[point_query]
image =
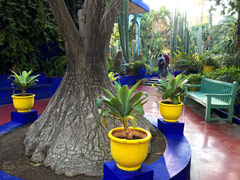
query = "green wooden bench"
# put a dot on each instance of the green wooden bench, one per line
(214, 94)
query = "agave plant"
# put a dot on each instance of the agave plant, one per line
(124, 106)
(23, 81)
(173, 89)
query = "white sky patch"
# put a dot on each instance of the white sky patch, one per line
(189, 6)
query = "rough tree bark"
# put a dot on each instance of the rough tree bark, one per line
(67, 137)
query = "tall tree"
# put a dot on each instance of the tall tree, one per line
(67, 136)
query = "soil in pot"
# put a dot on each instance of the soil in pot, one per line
(136, 134)
(168, 102)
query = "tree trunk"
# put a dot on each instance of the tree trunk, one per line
(67, 137)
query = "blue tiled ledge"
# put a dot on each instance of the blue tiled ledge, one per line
(8, 127)
(5, 176)
(175, 163)
(18, 120)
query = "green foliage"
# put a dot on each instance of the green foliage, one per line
(137, 65)
(172, 89)
(186, 62)
(229, 7)
(208, 59)
(155, 33)
(231, 60)
(23, 81)
(24, 26)
(230, 74)
(123, 106)
(224, 35)
(194, 78)
(134, 67)
(56, 66)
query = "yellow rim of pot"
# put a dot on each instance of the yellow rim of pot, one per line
(29, 95)
(162, 102)
(134, 141)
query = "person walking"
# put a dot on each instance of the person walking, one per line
(161, 64)
(165, 55)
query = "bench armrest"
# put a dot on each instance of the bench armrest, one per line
(217, 95)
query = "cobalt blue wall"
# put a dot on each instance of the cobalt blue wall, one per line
(45, 88)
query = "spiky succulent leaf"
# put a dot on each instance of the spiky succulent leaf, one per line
(23, 80)
(173, 89)
(139, 109)
(109, 93)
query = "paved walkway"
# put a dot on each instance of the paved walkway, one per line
(215, 147)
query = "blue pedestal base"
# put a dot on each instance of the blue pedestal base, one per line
(24, 118)
(112, 172)
(170, 127)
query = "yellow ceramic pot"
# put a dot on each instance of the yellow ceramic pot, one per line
(170, 112)
(23, 103)
(207, 68)
(129, 154)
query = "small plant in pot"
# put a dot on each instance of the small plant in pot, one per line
(194, 79)
(23, 101)
(209, 63)
(172, 94)
(129, 145)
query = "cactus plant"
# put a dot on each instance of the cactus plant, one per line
(124, 29)
(179, 33)
(199, 40)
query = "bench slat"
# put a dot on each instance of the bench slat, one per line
(199, 96)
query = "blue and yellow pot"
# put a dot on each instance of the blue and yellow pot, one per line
(23, 102)
(129, 154)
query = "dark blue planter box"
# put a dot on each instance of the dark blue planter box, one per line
(24, 118)
(128, 80)
(155, 74)
(148, 76)
(237, 108)
(175, 73)
(141, 73)
(55, 82)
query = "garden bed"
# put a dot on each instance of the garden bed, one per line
(14, 162)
